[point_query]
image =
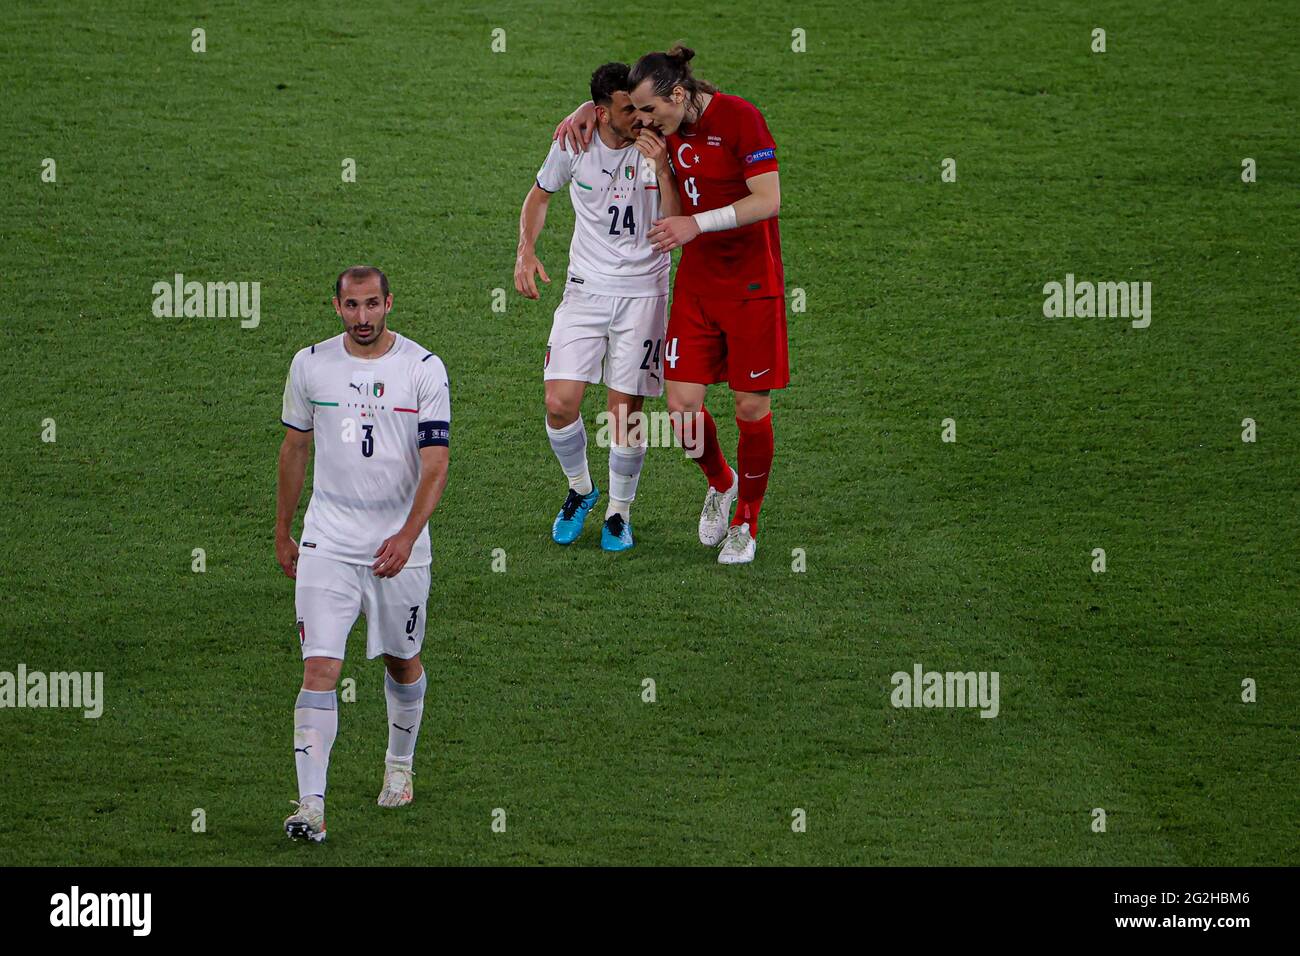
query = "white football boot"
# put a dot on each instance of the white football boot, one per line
(308, 823)
(397, 790)
(717, 512)
(739, 546)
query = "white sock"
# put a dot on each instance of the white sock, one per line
(315, 724)
(405, 708)
(570, 446)
(625, 463)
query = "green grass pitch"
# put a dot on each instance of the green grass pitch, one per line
(924, 301)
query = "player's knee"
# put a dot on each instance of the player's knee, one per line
(404, 671)
(320, 673)
(560, 410)
(682, 404)
(751, 406)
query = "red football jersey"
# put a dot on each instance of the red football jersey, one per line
(712, 159)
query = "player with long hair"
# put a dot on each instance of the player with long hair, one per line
(727, 319)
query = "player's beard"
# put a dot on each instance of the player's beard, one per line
(628, 135)
(376, 331)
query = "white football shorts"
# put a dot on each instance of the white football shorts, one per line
(619, 340)
(329, 595)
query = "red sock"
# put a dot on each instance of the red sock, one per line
(754, 459)
(711, 462)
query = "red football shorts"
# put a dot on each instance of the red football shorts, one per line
(738, 341)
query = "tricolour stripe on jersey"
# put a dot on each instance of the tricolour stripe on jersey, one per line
(582, 184)
(330, 404)
(413, 411)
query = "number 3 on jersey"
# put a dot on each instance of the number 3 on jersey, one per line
(349, 435)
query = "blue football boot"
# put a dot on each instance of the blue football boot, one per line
(568, 523)
(617, 533)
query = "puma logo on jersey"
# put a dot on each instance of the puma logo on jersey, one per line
(356, 386)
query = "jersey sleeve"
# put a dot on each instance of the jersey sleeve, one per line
(296, 410)
(434, 391)
(557, 170)
(754, 146)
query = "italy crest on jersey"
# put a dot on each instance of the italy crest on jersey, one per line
(379, 389)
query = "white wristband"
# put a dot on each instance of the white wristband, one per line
(716, 220)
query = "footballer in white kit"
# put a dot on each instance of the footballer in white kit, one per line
(378, 408)
(610, 323)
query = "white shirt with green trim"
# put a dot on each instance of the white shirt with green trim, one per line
(615, 197)
(370, 417)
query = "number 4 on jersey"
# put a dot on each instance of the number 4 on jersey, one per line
(670, 353)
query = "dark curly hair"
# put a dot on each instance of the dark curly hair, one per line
(608, 80)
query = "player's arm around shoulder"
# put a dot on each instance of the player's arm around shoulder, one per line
(576, 129)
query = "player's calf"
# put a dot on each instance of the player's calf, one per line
(405, 700)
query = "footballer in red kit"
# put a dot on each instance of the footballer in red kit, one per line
(727, 320)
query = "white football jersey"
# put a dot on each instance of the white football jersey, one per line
(615, 197)
(371, 417)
